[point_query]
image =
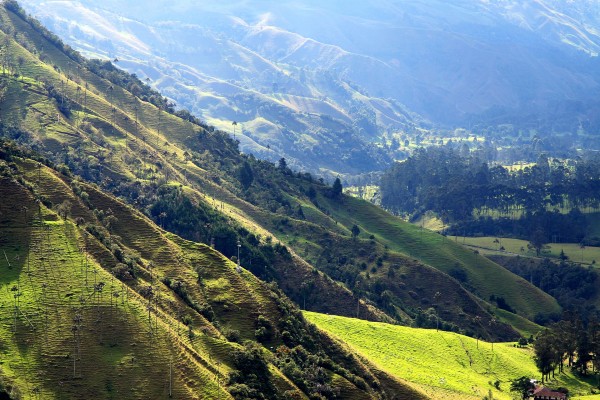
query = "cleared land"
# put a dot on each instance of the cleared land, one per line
(490, 245)
(444, 365)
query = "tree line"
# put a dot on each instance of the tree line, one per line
(473, 194)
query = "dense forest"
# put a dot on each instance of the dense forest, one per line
(575, 287)
(480, 198)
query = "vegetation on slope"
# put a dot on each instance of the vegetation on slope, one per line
(478, 198)
(92, 285)
(192, 180)
(444, 365)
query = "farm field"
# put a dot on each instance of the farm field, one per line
(444, 365)
(487, 244)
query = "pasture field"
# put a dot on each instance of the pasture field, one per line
(444, 365)
(587, 255)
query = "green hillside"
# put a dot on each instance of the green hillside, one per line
(589, 255)
(93, 292)
(66, 319)
(486, 277)
(110, 134)
(444, 365)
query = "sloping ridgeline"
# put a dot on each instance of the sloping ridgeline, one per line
(98, 301)
(192, 180)
(142, 152)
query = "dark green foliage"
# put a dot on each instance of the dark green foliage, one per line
(501, 303)
(459, 274)
(246, 176)
(307, 370)
(522, 386)
(63, 102)
(179, 288)
(174, 211)
(570, 340)
(264, 329)
(455, 185)
(251, 378)
(554, 225)
(282, 164)
(355, 231)
(537, 241)
(336, 189)
(571, 285)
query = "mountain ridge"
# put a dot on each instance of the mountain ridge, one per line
(104, 134)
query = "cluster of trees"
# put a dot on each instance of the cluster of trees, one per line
(571, 285)
(570, 340)
(539, 227)
(462, 188)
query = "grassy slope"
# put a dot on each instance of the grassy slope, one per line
(118, 330)
(120, 353)
(431, 248)
(115, 140)
(116, 152)
(444, 365)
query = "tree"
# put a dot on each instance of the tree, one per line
(282, 164)
(336, 189)
(545, 354)
(234, 123)
(563, 256)
(246, 175)
(64, 209)
(522, 386)
(537, 241)
(355, 231)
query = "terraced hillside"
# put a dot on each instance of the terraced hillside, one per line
(109, 128)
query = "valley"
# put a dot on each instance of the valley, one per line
(374, 85)
(146, 252)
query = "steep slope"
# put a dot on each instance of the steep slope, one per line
(66, 320)
(532, 64)
(111, 138)
(105, 126)
(102, 303)
(279, 114)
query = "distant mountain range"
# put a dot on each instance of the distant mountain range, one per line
(328, 85)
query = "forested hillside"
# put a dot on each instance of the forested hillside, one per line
(99, 167)
(97, 293)
(192, 180)
(548, 199)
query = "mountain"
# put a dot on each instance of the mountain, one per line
(193, 181)
(329, 86)
(102, 302)
(117, 207)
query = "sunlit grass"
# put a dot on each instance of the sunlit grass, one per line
(440, 363)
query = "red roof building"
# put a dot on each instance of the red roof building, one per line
(543, 393)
